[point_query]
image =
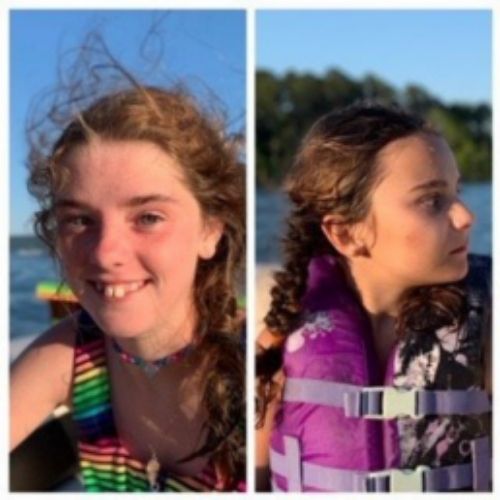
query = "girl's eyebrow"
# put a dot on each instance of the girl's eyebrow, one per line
(433, 184)
(131, 202)
(149, 198)
(436, 183)
(69, 203)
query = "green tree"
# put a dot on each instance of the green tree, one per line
(288, 105)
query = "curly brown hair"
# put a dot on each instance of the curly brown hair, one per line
(173, 120)
(334, 173)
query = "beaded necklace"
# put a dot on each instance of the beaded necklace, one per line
(151, 368)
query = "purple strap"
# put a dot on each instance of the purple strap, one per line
(314, 475)
(453, 402)
(481, 464)
(452, 477)
(293, 463)
(321, 392)
(299, 474)
(370, 402)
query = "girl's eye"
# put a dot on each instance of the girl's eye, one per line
(434, 203)
(149, 219)
(75, 223)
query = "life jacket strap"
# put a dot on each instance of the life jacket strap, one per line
(293, 463)
(386, 402)
(302, 474)
(481, 464)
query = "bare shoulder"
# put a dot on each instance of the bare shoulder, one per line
(55, 343)
(267, 339)
(41, 378)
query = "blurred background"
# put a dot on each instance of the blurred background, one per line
(437, 63)
(205, 50)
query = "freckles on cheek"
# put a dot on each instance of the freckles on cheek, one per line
(73, 248)
(74, 253)
(178, 246)
(64, 249)
(413, 239)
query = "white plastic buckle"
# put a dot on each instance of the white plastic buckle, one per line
(395, 402)
(403, 479)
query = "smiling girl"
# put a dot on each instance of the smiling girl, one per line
(142, 203)
(373, 368)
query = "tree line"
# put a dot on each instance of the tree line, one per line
(288, 105)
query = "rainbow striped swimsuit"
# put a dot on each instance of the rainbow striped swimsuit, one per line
(105, 464)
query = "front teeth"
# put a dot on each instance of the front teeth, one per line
(111, 291)
(117, 291)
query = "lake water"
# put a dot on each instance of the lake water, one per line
(29, 264)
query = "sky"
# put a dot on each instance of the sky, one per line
(205, 49)
(446, 51)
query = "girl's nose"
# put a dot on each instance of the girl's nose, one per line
(462, 217)
(109, 247)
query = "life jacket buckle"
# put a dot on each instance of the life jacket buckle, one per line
(408, 479)
(399, 480)
(395, 402)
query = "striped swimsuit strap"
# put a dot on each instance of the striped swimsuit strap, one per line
(105, 464)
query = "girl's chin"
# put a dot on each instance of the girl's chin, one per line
(441, 275)
(119, 327)
(453, 273)
(460, 267)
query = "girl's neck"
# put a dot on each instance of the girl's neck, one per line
(379, 297)
(381, 300)
(154, 345)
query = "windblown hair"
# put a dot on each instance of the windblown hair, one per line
(172, 120)
(334, 173)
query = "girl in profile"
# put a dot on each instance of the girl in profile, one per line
(142, 203)
(373, 372)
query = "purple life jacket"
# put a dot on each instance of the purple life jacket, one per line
(345, 424)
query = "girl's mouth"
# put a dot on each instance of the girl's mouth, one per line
(459, 250)
(117, 290)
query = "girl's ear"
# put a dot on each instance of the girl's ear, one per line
(212, 233)
(344, 237)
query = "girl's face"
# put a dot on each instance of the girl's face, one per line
(418, 227)
(129, 236)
